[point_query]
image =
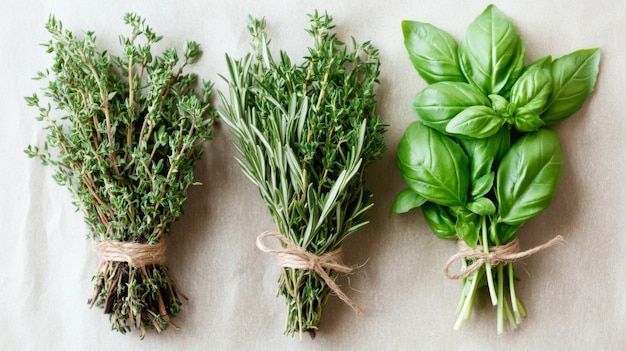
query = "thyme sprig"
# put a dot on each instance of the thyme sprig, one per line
(306, 132)
(126, 132)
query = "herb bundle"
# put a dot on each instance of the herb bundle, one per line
(307, 132)
(127, 132)
(481, 160)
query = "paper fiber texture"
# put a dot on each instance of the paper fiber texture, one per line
(573, 292)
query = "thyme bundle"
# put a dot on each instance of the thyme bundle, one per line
(126, 132)
(306, 132)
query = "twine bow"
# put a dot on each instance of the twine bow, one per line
(496, 255)
(292, 256)
(136, 254)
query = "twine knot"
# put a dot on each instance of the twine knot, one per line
(496, 255)
(292, 256)
(136, 254)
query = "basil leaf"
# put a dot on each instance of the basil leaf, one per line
(406, 201)
(498, 103)
(482, 207)
(527, 121)
(482, 185)
(440, 220)
(483, 153)
(433, 165)
(542, 62)
(475, 122)
(491, 54)
(573, 79)
(467, 228)
(438, 103)
(432, 51)
(532, 90)
(528, 176)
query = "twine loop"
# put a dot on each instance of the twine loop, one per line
(292, 256)
(501, 254)
(136, 254)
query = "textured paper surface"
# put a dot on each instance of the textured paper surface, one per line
(573, 293)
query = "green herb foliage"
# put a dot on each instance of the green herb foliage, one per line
(481, 162)
(306, 132)
(125, 131)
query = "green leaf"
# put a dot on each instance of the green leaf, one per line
(498, 103)
(440, 220)
(467, 228)
(484, 153)
(482, 207)
(573, 79)
(475, 122)
(483, 185)
(532, 90)
(433, 165)
(528, 176)
(492, 53)
(527, 121)
(437, 104)
(406, 201)
(432, 51)
(32, 100)
(542, 62)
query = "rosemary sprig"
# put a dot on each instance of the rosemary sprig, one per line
(306, 132)
(126, 130)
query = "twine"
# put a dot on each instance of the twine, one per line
(292, 256)
(136, 254)
(496, 255)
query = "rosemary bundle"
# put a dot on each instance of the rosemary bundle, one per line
(126, 132)
(306, 132)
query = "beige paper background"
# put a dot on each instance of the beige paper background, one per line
(573, 293)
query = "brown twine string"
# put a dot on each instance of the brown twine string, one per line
(292, 256)
(136, 254)
(496, 255)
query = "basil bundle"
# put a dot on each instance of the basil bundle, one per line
(306, 132)
(126, 133)
(481, 161)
